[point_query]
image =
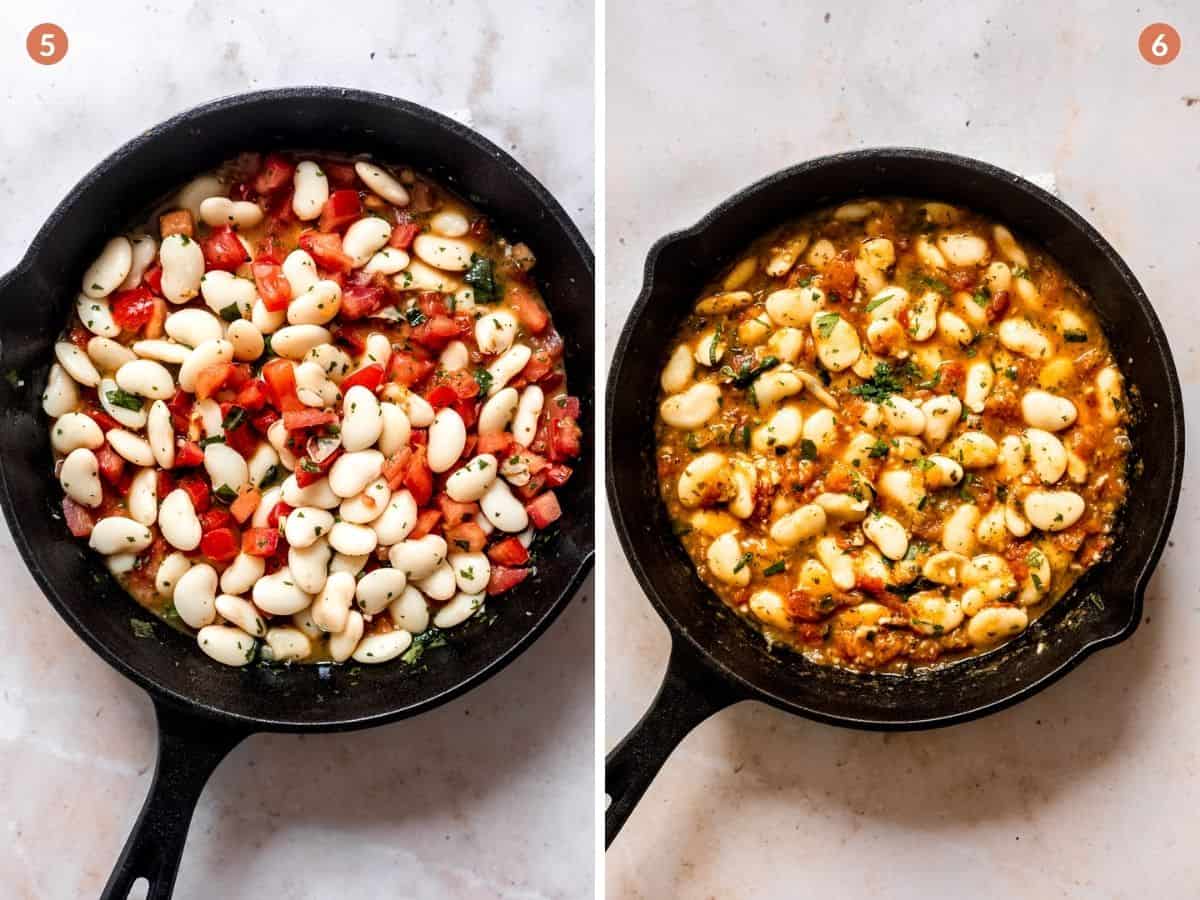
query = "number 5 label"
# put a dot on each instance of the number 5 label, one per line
(1159, 44)
(46, 44)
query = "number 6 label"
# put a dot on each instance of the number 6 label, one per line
(46, 44)
(1159, 44)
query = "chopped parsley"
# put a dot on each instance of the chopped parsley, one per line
(426, 640)
(879, 301)
(743, 562)
(808, 450)
(826, 322)
(749, 373)
(879, 386)
(775, 568)
(225, 494)
(414, 316)
(142, 628)
(484, 379)
(118, 397)
(481, 276)
(231, 313)
(879, 449)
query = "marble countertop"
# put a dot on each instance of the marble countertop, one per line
(489, 796)
(1089, 789)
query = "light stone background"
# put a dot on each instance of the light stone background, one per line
(489, 796)
(1091, 788)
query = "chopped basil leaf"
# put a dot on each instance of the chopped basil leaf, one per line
(118, 397)
(775, 568)
(481, 276)
(215, 439)
(231, 313)
(826, 322)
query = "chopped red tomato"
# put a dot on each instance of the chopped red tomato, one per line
(427, 520)
(403, 235)
(152, 278)
(276, 173)
(280, 376)
(252, 396)
(342, 208)
(242, 439)
(79, 518)
(509, 552)
(260, 541)
(222, 250)
(214, 518)
(564, 406)
(496, 444)
(211, 379)
(525, 306)
(556, 476)
(395, 467)
(306, 417)
(418, 478)
(504, 578)
(436, 332)
(273, 288)
(326, 249)
(467, 537)
(408, 369)
(309, 471)
(431, 304)
(361, 300)
(197, 490)
(462, 382)
(133, 308)
(565, 439)
(278, 511)
(112, 464)
(106, 422)
(180, 406)
(456, 513)
(188, 454)
(544, 509)
(441, 395)
(370, 377)
(165, 485)
(221, 545)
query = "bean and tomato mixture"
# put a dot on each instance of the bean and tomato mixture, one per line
(313, 409)
(890, 435)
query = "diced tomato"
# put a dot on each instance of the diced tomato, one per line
(340, 174)
(166, 483)
(79, 518)
(270, 250)
(496, 444)
(221, 545)
(253, 396)
(456, 513)
(80, 337)
(544, 509)
(418, 478)
(106, 422)
(436, 332)
(276, 174)
(214, 518)
(197, 489)
(278, 511)
(562, 406)
(467, 537)
(509, 552)
(442, 395)
(188, 454)
(112, 464)
(342, 208)
(280, 376)
(180, 406)
(407, 369)
(540, 367)
(395, 467)
(242, 439)
(565, 439)
(427, 520)
(310, 472)
(361, 300)
(419, 437)
(556, 476)
(262, 421)
(468, 411)
(133, 308)
(211, 379)
(178, 221)
(273, 288)
(403, 235)
(294, 420)
(152, 278)
(462, 382)
(370, 377)
(326, 249)
(504, 578)
(526, 307)
(260, 541)
(431, 304)
(222, 250)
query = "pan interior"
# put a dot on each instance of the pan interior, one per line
(1104, 605)
(35, 301)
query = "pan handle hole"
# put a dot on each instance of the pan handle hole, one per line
(140, 890)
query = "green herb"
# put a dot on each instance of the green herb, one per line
(826, 322)
(1011, 373)
(414, 316)
(484, 379)
(215, 439)
(775, 568)
(1075, 336)
(879, 301)
(118, 397)
(982, 297)
(743, 562)
(235, 418)
(933, 284)
(14, 378)
(231, 313)
(225, 494)
(748, 374)
(1096, 600)
(879, 386)
(1020, 272)
(269, 477)
(933, 382)
(714, 346)
(142, 628)
(693, 443)
(481, 276)
(879, 449)
(426, 640)
(808, 450)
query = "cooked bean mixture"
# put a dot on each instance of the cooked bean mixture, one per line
(890, 435)
(312, 409)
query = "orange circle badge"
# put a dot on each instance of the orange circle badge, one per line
(46, 44)
(1159, 44)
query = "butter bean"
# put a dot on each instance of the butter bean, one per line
(447, 438)
(418, 558)
(1046, 411)
(109, 269)
(499, 410)
(182, 267)
(227, 645)
(80, 477)
(76, 364)
(178, 522)
(377, 589)
(1053, 510)
(310, 191)
(382, 183)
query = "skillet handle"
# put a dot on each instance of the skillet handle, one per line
(189, 749)
(689, 694)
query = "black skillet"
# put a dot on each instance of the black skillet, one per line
(205, 709)
(715, 658)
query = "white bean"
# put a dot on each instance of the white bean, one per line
(963, 249)
(472, 571)
(417, 408)
(182, 267)
(318, 494)
(1047, 455)
(73, 430)
(502, 509)
(447, 438)
(1110, 394)
(460, 608)
(352, 472)
(144, 252)
(973, 450)
(96, 316)
(798, 525)
(888, 535)
(440, 584)
(903, 416)
(691, 408)
(279, 594)
(499, 410)
(795, 307)
(143, 497)
(107, 354)
(351, 539)
(76, 364)
(725, 562)
(381, 183)
(247, 341)
(130, 447)
(80, 477)
(310, 191)
(343, 643)
(468, 483)
(395, 430)
(837, 561)
(996, 623)
(418, 558)
(455, 357)
(240, 612)
(398, 519)
(1047, 411)
(382, 647)
(130, 418)
(161, 351)
(1053, 510)
(208, 353)
(316, 306)
(331, 609)
(146, 378)
(447, 254)
(286, 644)
(362, 419)
(265, 320)
(410, 611)
(241, 575)
(377, 589)
(838, 345)
(958, 532)
(507, 366)
(495, 332)
(294, 341)
(178, 522)
(981, 377)
(1023, 337)
(196, 594)
(449, 223)
(119, 534)
(215, 211)
(387, 261)
(368, 505)
(942, 472)
(678, 371)
(364, 238)
(230, 646)
(170, 570)
(109, 269)
(306, 525)
(300, 270)
(61, 394)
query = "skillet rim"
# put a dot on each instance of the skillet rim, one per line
(192, 706)
(680, 631)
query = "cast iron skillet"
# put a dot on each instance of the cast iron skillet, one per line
(205, 709)
(716, 659)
